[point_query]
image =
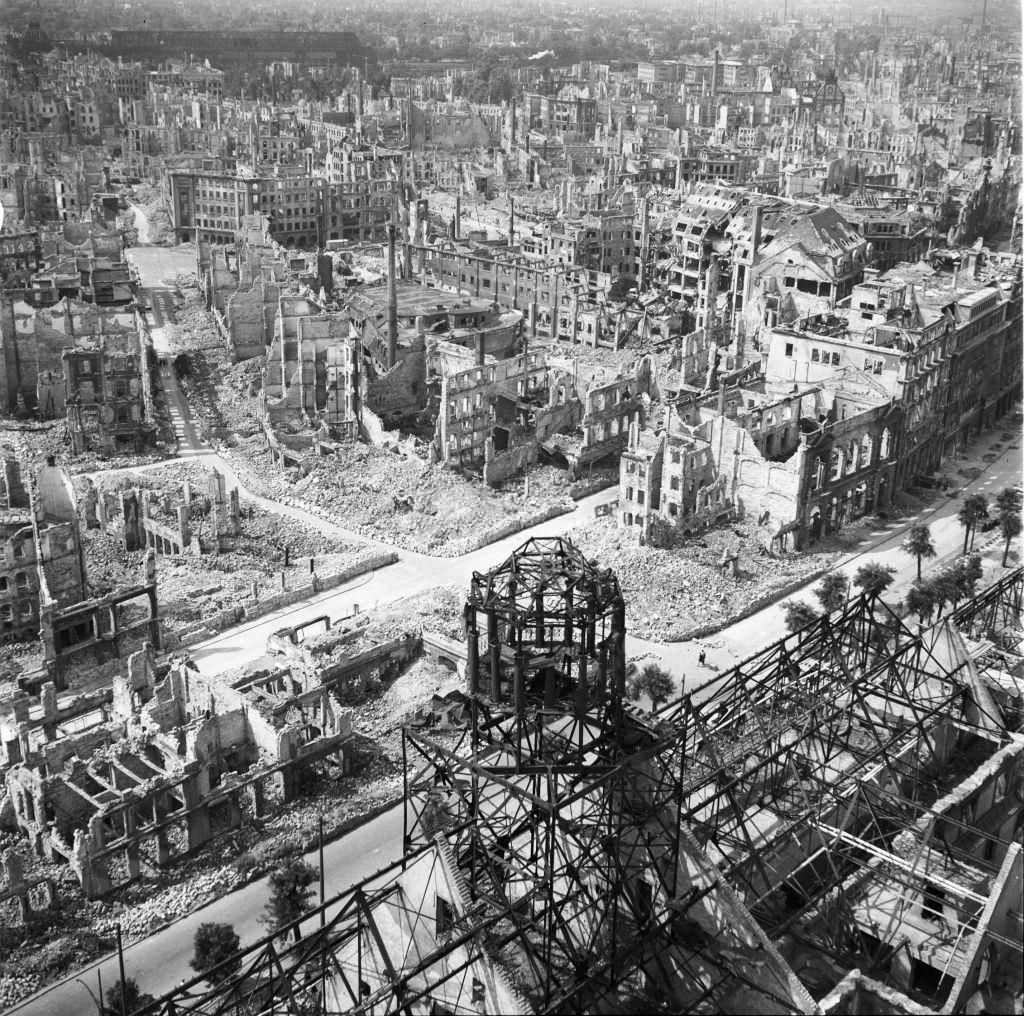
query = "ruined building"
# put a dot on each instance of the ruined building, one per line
(44, 590)
(504, 416)
(801, 460)
(82, 261)
(181, 521)
(89, 364)
(109, 393)
(43, 562)
(156, 769)
(830, 827)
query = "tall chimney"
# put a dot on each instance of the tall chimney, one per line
(512, 131)
(458, 216)
(755, 243)
(721, 398)
(644, 241)
(714, 77)
(755, 231)
(392, 300)
(511, 222)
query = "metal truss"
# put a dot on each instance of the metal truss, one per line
(595, 840)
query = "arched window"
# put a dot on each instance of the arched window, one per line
(836, 463)
(819, 473)
(883, 449)
(851, 457)
(865, 450)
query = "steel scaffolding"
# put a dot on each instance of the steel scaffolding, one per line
(785, 816)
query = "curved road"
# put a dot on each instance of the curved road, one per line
(161, 961)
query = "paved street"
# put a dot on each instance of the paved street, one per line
(160, 962)
(164, 956)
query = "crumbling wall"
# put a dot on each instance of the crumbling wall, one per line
(610, 407)
(249, 315)
(402, 391)
(755, 484)
(485, 401)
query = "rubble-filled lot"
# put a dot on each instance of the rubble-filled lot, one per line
(37, 439)
(158, 227)
(192, 328)
(191, 588)
(399, 499)
(385, 494)
(674, 594)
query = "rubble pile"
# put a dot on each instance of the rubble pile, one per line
(673, 594)
(193, 327)
(84, 929)
(41, 439)
(388, 496)
(193, 587)
(150, 200)
(439, 610)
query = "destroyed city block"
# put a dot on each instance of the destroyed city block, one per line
(511, 509)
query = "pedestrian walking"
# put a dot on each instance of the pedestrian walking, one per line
(702, 657)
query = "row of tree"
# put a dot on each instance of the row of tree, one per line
(927, 596)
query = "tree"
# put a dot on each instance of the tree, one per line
(874, 579)
(653, 681)
(966, 573)
(1010, 525)
(944, 588)
(920, 600)
(832, 591)
(289, 893)
(972, 511)
(919, 544)
(216, 946)
(799, 615)
(125, 997)
(1008, 500)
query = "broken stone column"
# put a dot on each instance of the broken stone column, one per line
(48, 700)
(132, 513)
(234, 513)
(15, 882)
(131, 850)
(184, 529)
(218, 504)
(20, 705)
(92, 875)
(90, 503)
(196, 809)
(234, 811)
(257, 799)
(24, 743)
(102, 513)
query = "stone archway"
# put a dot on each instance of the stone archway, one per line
(815, 526)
